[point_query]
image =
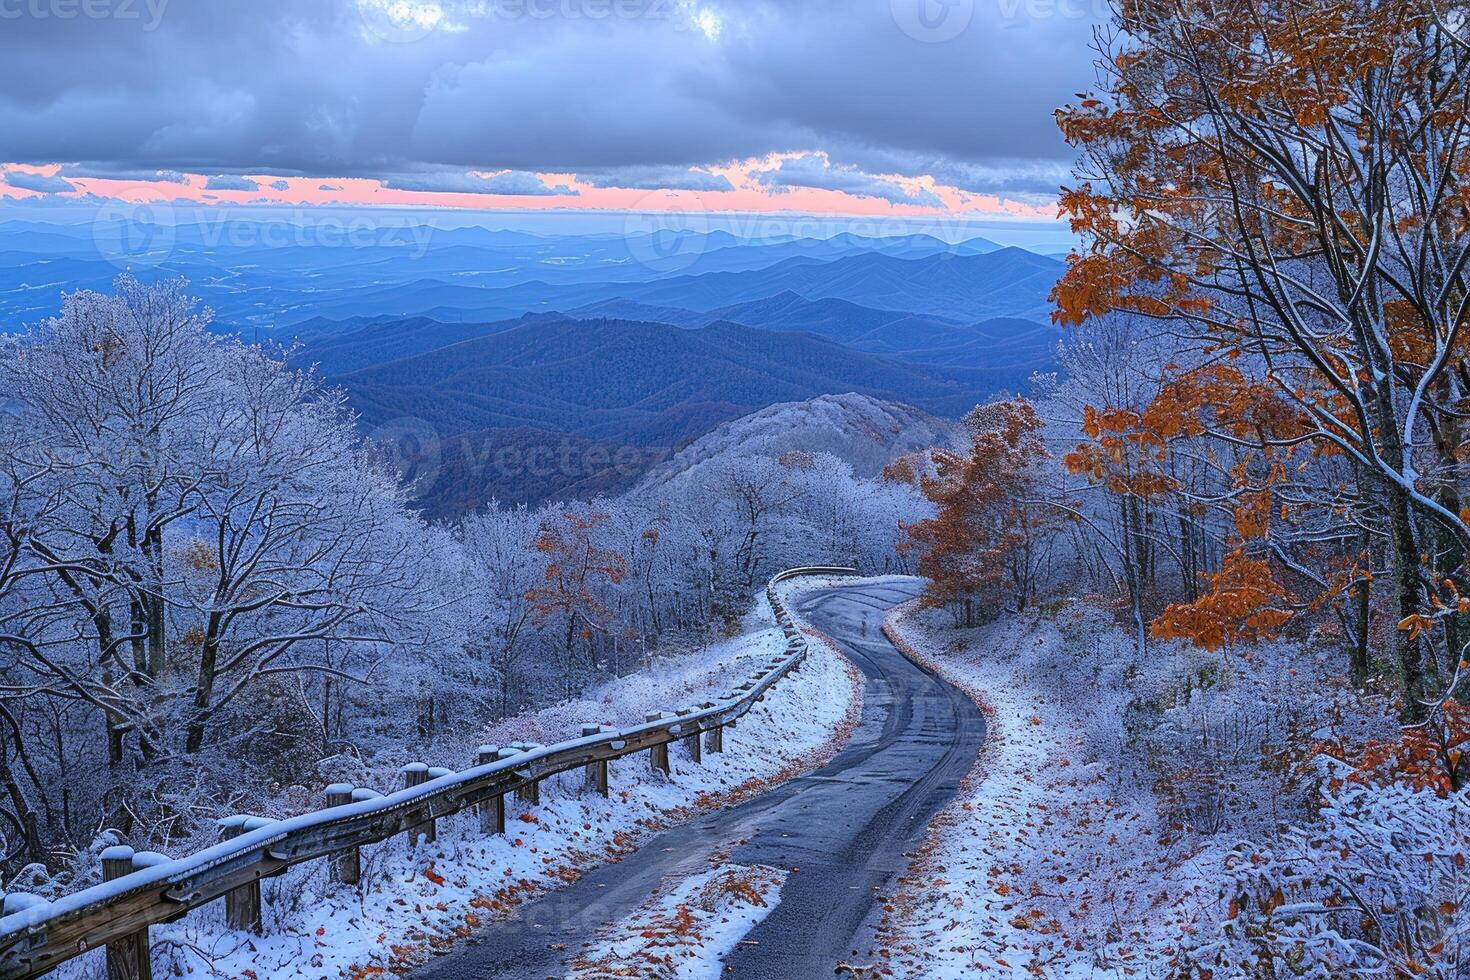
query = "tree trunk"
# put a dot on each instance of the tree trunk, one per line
(1413, 672)
(204, 685)
(1363, 597)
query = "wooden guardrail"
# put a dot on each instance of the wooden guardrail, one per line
(143, 889)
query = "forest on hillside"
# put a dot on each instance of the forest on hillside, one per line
(211, 586)
(1256, 450)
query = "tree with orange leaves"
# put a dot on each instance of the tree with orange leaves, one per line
(986, 545)
(575, 567)
(1433, 756)
(1288, 183)
(1243, 603)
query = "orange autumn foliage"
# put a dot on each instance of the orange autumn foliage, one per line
(1243, 604)
(1126, 449)
(1311, 329)
(1263, 63)
(1433, 756)
(979, 546)
(575, 565)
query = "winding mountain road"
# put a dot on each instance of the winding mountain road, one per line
(848, 826)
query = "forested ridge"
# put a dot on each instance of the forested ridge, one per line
(212, 587)
(1254, 456)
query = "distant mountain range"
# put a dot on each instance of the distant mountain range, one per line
(1001, 346)
(263, 271)
(556, 408)
(639, 371)
(647, 384)
(343, 347)
(497, 364)
(998, 344)
(1007, 282)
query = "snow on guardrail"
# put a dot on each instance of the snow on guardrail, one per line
(142, 889)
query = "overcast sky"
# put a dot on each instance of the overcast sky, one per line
(862, 106)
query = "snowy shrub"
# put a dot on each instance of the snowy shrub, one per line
(1223, 734)
(1372, 888)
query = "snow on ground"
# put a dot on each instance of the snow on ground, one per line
(793, 589)
(1050, 862)
(667, 683)
(419, 900)
(684, 932)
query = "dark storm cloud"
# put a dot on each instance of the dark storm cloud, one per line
(110, 172)
(282, 87)
(814, 171)
(230, 182)
(656, 178)
(1005, 176)
(510, 182)
(38, 182)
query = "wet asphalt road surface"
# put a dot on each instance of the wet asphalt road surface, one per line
(848, 826)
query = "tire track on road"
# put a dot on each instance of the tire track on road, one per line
(848, 826)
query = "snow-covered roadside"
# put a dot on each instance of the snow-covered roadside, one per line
(417, 901)
(793, 589)
(1049, 863)
(683, 933)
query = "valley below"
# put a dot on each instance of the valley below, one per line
(519, 368)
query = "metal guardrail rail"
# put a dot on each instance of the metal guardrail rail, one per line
(144, 889)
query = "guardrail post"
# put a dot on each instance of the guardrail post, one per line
(127, 958)
(242, 904)
(714, 739)
(132, 913)
(597, 769)
(530, 794)
(509, 752)
(345, 867)
(692, 742)
(658, 755)
(416, 774)
(492, 811)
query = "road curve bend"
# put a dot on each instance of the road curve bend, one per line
(848, 826)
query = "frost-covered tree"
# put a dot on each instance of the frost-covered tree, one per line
(501, 561)
(192, 531)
